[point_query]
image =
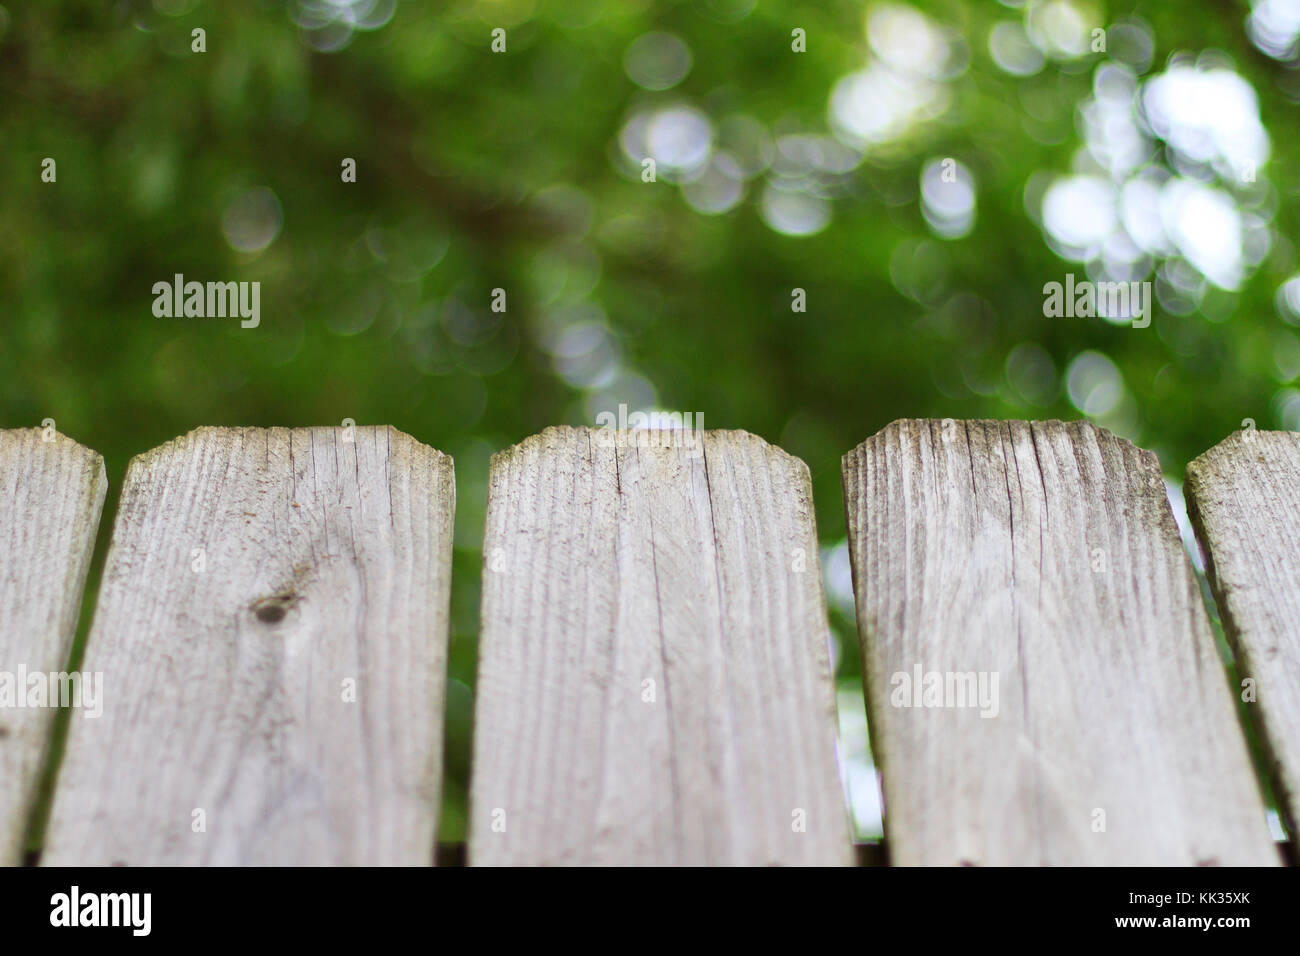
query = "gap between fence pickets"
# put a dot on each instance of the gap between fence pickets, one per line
(1243, 498)
(654, 682)
(1040, 562)
(51, 497)
(272, 624)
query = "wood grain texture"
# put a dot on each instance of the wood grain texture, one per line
(618, 565)
(1045, 554)
(1243, 497)
(252, 574)
(51, 497)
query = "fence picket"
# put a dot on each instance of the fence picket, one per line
(272, 630)
(654, 684)
(51, 497)
(1243, 497)
(1043, 555)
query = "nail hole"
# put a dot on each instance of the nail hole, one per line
(4, 732)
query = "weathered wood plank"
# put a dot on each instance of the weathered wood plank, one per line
(51, 497)
(654, 684)
(1243, 497)
(272, 629)
(1044, 556)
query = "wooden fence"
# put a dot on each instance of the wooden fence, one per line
(654, 684)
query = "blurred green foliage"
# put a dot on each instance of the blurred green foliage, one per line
(479, 170)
